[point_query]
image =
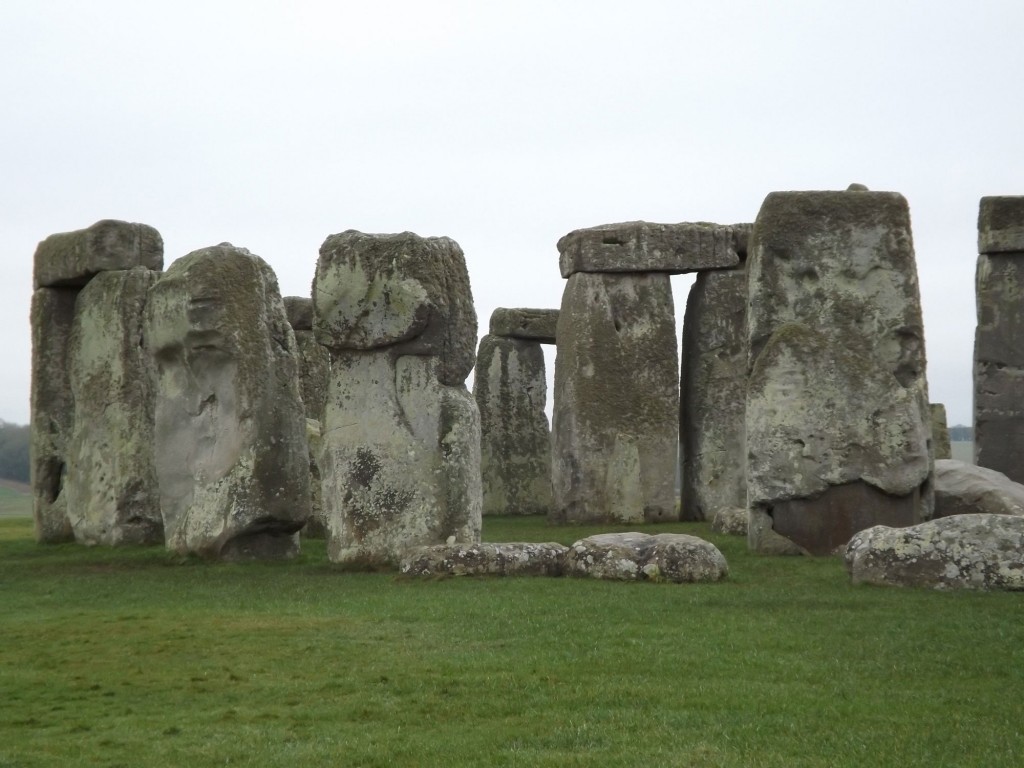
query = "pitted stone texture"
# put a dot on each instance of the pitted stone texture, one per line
(711, 393)
(819, 418)
(730, 520)
(533, 324)
(72, 258)
(941, 448)
(111, 483)
(1001, 225)
(833, 288)
(405, 292)
(485, 559)
(615, 428)
(231, 452)
(672, 557)
(399, 458)
(53, 411)
(980, 552)
(999, 365)
(300, 312)
(316, 524)
(965, 489)
(510, 388)
(640, 246)
(314, 373)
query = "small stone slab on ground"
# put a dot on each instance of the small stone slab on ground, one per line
(485, 559)
(673, 557)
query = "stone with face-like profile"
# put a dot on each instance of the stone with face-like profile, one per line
(230, 432)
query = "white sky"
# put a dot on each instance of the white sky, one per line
(503, 125)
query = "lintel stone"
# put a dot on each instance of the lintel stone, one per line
(1001, 225)
(641, 246)
(73, 258)
(530, 324)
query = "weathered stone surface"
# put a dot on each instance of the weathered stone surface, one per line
(712, 391)
(534, 324)
(999, 364)
(316, 524)
(966, 489)
(982, 552)
(402, 291)
(300, 312)
(400, 452)
(837, 391)
(730, 520)
(941, 448)
(230, 435)
(818, 418)
(485, 559)
(672, 557)
(53, 410)
(616, 401)
(510, 388)
(111, 483)
(314, 373)
(640, 246)
(1001, 225)
(72, 258)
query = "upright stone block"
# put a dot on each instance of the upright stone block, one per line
(53, 411)
(510, 387)
(73, 258)
(230, 431)
(640, 246)
(837, 417)
(111, 482)
(712, 393)
(941, 447)
(999, 338)
(400, 449)
(616, 404)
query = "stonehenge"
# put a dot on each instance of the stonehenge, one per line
(197, 408)
(999, 337)
(510, 388)
(400, 445)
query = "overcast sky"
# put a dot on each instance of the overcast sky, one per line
(503, 125)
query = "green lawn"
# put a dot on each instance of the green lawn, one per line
(131, 657)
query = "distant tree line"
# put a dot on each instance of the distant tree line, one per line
(14, 452)
(960, 433)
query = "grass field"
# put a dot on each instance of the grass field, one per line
(131, 657)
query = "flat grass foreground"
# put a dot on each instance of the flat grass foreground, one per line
(131, 657)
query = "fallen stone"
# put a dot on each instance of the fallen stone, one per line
(485, 559)
(1001, 225)
(941, 448)
(615, 426)
(510, 388)
(230, 432)
(672, 557)
(531, 324)
(980, 552)
(640, 246)
(72, 258)
(111, 482)
(730, 520)
(966, 489)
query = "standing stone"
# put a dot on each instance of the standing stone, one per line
(616, 410)
(400, 449)
(712, 391)
(941, 447)
(999, 338)
(510, 388)
(230, 436)
(314, 373)
(53, 411)
(63, 263)
(837, 417)
(111, 482)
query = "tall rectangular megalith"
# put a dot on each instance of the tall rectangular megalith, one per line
(999, 337)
